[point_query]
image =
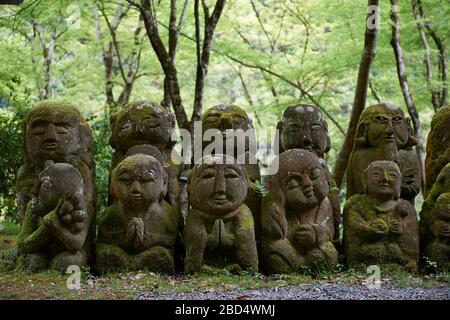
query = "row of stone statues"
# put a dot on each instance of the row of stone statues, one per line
(229, 222)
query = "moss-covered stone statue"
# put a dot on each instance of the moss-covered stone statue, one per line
(303, 127)
(145, 122)
(55, 231)
(55, 131)
(379, 227)
(297, 217)
(219, 229)
(384, 133)
(438, 248)
(138, 231)
(438, 147)
(224, 118)
(434, 242)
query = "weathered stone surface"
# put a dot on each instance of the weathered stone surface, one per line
(138, 231)
(433, 221)
(384, 133)
(225, 117)
(55, 231)
(55, 131)
(379, 227)
(304, 127)
(297, 217)
(147, 123)
(438, 147)
(219, 229)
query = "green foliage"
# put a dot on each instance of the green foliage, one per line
(102, 157)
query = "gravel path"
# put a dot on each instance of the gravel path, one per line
(310, 292)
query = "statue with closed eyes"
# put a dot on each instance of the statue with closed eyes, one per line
(219, 229)
(138, 231)
(297, 217)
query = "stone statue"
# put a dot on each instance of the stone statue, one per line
(55, 230)
(433, 221)
(55, 131)
(379, 227)
(138, 231)
(438, 147)
(225, 117)
(383, 133)
(297, 217)
(219, 229)
(145, 122)
(303, 127)
(438, 249)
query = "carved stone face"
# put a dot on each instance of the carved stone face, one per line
(442, 207)
(141, 123)
(52, 133)
(302, 179)
(383, 123)
(217, 188)
(139, 181)
(383, 180)
(225, 117)
(52, 186)
(303, 127)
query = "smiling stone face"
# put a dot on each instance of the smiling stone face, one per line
(303, 127)
(141, 123)
(138, 181)
(302, 178)
(217, 188)
(383, 180)
(52, 133)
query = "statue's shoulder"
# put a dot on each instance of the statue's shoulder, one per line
(357, 202)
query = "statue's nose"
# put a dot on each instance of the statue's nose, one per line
(219, 186)
(50, 133)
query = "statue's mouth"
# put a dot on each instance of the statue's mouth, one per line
(389, 138)
(308, 192)
(136, 196)
(220, 199)
(50, 145)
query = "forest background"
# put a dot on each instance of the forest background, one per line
(261, 55)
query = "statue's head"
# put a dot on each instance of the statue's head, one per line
(139, 181)
(224, 118)
(57, 182)
(217, 185)
(303, 127)
(440, 132)
(383, 180)
(148, 150)
(300, 182)
(383, 123)
(442, 207)
(57, 132)
(141, 122)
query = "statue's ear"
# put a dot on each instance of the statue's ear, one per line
(327, 137)
(48, 163)
(277, 140)
(165, 183)
(361, 137)
(412, 139)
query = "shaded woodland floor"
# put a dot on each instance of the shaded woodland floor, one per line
(220, 284)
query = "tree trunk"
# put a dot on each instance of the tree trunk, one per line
(401, 71)
(427, 58)
(360, 91)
